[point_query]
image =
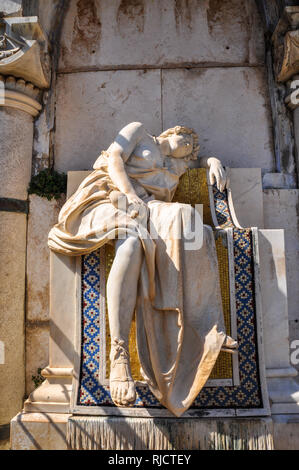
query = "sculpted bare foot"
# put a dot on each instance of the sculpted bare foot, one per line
(230, 345)
(122, 387)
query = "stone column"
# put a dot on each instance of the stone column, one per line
(18, 107)
(20, 54)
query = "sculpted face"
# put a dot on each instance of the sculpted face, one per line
(180, 145)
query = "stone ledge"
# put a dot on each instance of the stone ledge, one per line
(39, 431)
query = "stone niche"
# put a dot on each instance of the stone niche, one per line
(203, 66)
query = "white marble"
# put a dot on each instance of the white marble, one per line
(246, 192)
(281, 211)
(283, 389)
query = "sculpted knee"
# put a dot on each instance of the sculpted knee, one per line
(131, 247)
(134, 245)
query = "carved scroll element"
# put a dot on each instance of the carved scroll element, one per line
(9, 46)
(23, 48)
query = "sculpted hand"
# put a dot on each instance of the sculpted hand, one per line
(139, 206)
(217, 173)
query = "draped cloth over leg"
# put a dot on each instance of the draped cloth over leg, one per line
(180, 327)
(180, 334)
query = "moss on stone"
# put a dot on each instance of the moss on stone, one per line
(49, 184)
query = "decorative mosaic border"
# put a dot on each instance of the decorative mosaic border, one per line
(247, 395)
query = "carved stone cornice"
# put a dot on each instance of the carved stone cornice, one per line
(19, 94)
(285, 41)
(23, 50)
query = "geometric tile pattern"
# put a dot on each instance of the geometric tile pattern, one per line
(246, 395)
(221, 208)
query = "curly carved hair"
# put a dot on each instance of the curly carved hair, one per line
(184, 131)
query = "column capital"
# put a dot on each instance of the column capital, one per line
(23, 50)
(19, 94)
(285, 42)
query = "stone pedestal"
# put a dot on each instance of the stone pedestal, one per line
(39, 431)
(36, 431)
(48, 431)
(53, 396)
(283, 390)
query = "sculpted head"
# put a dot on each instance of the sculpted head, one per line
(179, 142)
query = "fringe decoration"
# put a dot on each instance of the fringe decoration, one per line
(126, 433)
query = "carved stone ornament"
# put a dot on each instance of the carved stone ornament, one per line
(19, 94)
(23, 47)
(286, 45)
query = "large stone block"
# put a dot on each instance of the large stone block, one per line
(229, 109)
(11, 7)
(16, 130)
(37, 352)
(12, 299)
(42, 216)
(39, 431)
(286, 432)
(281, 211)
(105, 34)
(93, 107)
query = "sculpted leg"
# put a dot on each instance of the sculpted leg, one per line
(121, 297)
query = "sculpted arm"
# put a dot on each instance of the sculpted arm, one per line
(118, 174)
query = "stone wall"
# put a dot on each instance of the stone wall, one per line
(196, 63)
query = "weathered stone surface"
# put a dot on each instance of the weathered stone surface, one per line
(37, 431)
(296, 132)
(92, 107)
(98, 34)
(42, 216)
(274, 299)
(226, 106)
(12, 298)
(286, 432)
(5, 445)
(229, 109)
(24, 55)
(11, 7)
(281, 211)
(37, 352)
(16, 133)
(245, 190)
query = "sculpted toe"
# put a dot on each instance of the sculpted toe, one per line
(131, 394)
